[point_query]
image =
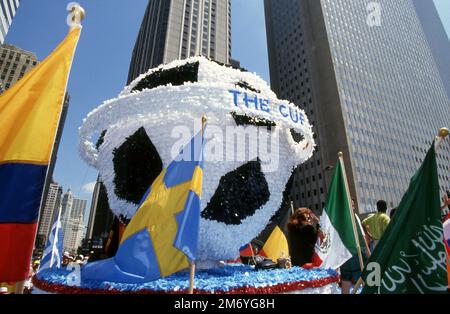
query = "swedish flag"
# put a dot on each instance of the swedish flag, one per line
(163, 235)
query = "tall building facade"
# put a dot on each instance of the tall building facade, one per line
(67, 203)
(73, 230)
(437, 38)
(78, 207)
(48, 213)
(72, 221)
(8, 9)
(178, 29)
(101, 221)
(368, 81)
(14, 64)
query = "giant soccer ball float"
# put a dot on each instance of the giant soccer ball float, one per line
(254, 141)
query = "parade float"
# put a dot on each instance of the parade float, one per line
(254, 141)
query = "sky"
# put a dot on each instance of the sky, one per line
(100, 67)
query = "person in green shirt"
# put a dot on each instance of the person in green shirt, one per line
(376, 224)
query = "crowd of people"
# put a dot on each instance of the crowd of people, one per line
(304, 230)
(67, 258)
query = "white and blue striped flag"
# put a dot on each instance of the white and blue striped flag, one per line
(53, 249)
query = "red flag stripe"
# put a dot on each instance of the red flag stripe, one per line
(16, 246)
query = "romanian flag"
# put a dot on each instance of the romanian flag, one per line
(29, 115)
(162, 237)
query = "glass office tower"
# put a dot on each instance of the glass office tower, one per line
(367, 78)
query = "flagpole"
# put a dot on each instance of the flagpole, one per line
(191, 276)
(352, 214)
(192, 263)
(76, 11)
(55, 239)
(358, 284)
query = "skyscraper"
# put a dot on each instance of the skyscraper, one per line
(72, 221)
(14, 64)
(8, 9)
(48, 213)
(101, 219)
(365, 75)
(78, 207)
(73, 232)
(178, 29)
(67, 203)
(437, 38)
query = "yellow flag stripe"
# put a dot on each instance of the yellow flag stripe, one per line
(197, 181)
(158, 215)
(30, 109)
(276, 245)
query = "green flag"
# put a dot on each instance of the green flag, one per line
(410, 257)
(339, 242)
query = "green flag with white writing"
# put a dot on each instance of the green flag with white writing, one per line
(411, 257)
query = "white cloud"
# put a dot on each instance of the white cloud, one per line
(89, 187)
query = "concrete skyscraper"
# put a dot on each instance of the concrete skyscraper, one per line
(73, 232)
(72, 221)
(48, 213)
(78, 207)
(365, 74)
(178, 29)
(67, 202)
(8, 9)
(14, 64)
(100, 220)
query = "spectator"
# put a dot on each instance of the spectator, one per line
(28, 285)
(67, 259)
(375, 225)
(303, 227)
(446, 206)
(80, 260)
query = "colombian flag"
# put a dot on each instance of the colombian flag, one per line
(163, 235)
(29, 115)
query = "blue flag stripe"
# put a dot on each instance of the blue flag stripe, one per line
(21, 187)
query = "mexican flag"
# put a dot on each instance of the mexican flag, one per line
(411, 257)
(337, 243)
